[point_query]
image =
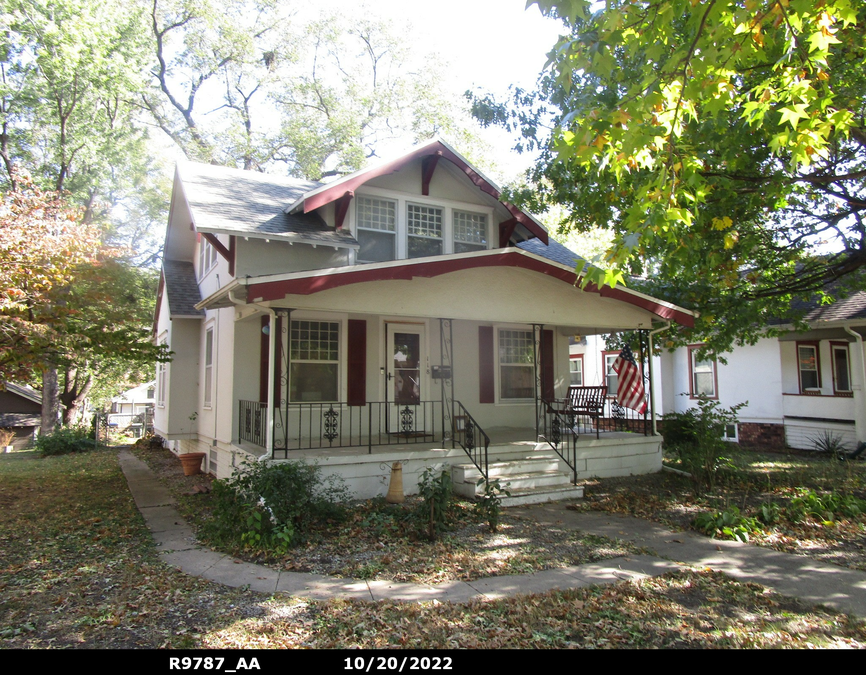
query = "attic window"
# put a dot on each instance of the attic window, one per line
(425, 230)
(470, 232)
(377, 225)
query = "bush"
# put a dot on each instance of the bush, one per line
(65, 440)
(488, 506)
(696, 437)
(434, 492)
(269, 505)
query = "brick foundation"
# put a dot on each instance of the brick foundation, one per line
(762, 435)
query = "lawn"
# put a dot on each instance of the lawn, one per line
(755, 478)
(78, 569)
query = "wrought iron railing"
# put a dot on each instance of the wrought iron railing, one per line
(471, 437)
(559, 431)
(315, 426)
(613, 417)
(253, 422)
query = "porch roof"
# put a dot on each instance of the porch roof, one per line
(478, 285)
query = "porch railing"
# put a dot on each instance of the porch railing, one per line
(614, 417)
(559, 431)
(316, 426)
(471, 437)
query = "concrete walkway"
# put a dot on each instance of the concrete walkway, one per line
(788, 574)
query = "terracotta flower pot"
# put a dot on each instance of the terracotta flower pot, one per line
(191, 463)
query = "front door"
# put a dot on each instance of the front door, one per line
(406, 357)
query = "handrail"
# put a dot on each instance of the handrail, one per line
(554, 428)
(471, 436)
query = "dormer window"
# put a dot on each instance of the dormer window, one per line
(470, 232)
(377, 229)
(425, 230)
(396, 226)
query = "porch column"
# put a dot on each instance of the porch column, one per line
(272, 341)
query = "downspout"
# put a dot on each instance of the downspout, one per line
(272, 342)
(859, 339)
(652, 381)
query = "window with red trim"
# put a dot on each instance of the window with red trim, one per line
(809, 366)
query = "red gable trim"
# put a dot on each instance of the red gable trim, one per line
(277, 290)
(437, 150)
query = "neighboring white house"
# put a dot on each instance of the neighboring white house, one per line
(798, 386)
(392, 314)
(136, 400)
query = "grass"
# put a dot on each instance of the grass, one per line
(78, 569)
(757, 478)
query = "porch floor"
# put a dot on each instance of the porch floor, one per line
(502, 438)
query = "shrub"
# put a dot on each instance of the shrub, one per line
(269, 505)
(64, 440)
(829, 443)
(488, 506)
(696, 437)
(434, 492)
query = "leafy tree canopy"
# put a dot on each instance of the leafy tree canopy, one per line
(66, 302)
(723, 143)
(245, 83)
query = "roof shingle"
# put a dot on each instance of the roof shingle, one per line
(181, 288)
(252, 203)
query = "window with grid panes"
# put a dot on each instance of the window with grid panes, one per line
(314, 352)
(376, 229)
(470, 232)
(424, 226)
(516, 364)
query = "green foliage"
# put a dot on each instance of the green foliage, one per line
(487, 505)
(65, 440)
(825, 508)
(769, 513)
(720, 142)
(270, 506)
(727, 524)
(696, 437)
(434, 492)
(829, 443)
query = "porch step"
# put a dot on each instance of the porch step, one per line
(505, 470)
(532, 479)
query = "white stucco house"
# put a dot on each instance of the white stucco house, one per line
(798, 386)
(135, 400)
(401, 313)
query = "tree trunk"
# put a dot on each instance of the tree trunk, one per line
(72, 397)
(50, 404)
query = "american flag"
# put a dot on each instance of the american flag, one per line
(629, 391)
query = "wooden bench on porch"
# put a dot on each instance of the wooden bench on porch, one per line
(584, 402)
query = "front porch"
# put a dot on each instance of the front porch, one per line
(516, 457)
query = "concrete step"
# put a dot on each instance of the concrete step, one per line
(469, 473)
(541, 495)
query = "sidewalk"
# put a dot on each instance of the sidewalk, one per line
(788, 574)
